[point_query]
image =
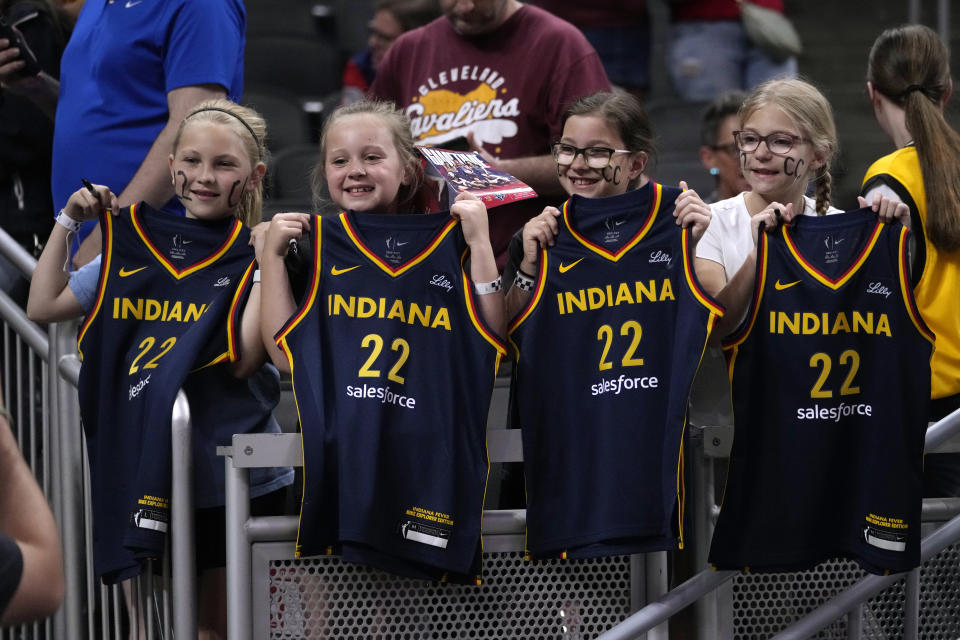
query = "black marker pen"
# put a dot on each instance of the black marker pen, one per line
(89, 186)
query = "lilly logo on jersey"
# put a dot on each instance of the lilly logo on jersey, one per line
(222, 282)
(879, 289)
(660, 256)
(443, 281)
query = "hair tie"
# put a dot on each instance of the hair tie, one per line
(911, 88)
(231, 113)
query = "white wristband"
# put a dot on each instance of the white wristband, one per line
(483, 288)
(66, 221)
(256, 276)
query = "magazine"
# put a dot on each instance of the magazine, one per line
(468, 171)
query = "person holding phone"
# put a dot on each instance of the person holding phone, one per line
(32, 37)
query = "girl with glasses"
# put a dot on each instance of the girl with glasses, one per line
(608, 326)
(786, 141)
(606, 144)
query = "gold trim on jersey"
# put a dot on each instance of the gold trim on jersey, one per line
(106, 223)
(475, 315)
(234, 313)
(162, 259)
(631, 243)
(819, 276)
(535, 296)
(731, 343)
(317, 229)
(716, 309)
(377, 260)
(903, 269)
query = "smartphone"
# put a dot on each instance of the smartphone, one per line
(31, 66)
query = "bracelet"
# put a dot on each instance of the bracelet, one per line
(526, 275)
(483, 288)
(256, 276)
(66, 221)
(523, 281)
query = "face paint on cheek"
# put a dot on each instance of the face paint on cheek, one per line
(792, 166)
(183, 187)
(614, 177)
(233, 189)
(743, 160)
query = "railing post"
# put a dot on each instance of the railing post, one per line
(657, 586)
(855, 623)
(911, 606)
(184, 561)
(239, 595)
(66, 433)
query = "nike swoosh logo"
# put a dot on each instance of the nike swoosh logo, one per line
(124, 272)
(336, 272)
(566, 267)
(132, 3)
(779, 286)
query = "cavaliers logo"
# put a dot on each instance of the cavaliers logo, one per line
(440, 114)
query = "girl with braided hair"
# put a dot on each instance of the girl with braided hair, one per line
(786, 141)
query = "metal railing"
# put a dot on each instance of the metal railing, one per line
(40, 372)
(708, 580)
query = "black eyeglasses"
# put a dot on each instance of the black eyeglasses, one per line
(779, 143)
(595, 157)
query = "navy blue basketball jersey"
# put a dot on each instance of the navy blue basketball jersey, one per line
(607, 349)
(831, 380)
(393, 370)
(167, 303)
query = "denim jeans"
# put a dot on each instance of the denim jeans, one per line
(708, 58)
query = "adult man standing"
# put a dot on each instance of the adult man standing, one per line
(130, 73)
(501, 74)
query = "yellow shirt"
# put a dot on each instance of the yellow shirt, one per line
(938, 291)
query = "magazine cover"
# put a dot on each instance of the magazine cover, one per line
(467, 171)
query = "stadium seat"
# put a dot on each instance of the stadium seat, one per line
(306, 67)
(287, 124)
(289, 173)
(286, 18)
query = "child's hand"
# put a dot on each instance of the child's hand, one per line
(691, 211)
(472, 214)
(539, 232)
(82, 204)
(773, 216)
(283, 228)
(888, 209)
(258, 236)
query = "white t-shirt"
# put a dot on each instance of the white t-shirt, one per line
(727, 240)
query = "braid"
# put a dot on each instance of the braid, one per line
(824, 187)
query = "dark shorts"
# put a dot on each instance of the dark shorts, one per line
(211, 526)
(11, 569)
